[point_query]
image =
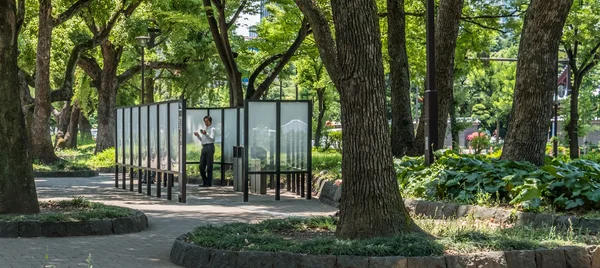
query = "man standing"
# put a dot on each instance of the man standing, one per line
(207, 137)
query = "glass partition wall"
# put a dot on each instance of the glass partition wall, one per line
(279, 142)
(155, 141)
(148, 144)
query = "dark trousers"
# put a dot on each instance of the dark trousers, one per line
(206, 164)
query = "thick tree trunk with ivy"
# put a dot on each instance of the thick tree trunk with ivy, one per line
(372, 205)
(536, 81)
(402, 125)
(17, 185)
(322, 108)
(446, 34)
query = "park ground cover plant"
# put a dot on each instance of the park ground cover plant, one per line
(315, 236)
(558, 185)
(72, 210)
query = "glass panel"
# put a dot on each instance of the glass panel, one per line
(261, 127)
(174, 130)
(241, 125)
(144, 135)
(153, 137)
(119, 149)
(135, 135)
(162, 130)
(230, 133)
(127, 134)
(217, 122)
(294, 135)
(194, 122)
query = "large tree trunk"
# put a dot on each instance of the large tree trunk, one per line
(371, 203)
(41, 141)
(402, 125)
(446, 34)
(73, 128)
(17, 185)
(322, 109)
(85, 128)
(537, 69)
(573, 126)
(107, 96)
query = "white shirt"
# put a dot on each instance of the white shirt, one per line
(209, 137)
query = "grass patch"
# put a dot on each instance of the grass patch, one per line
(316, 236)
(74, 210)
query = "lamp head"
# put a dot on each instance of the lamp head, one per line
(143, 40)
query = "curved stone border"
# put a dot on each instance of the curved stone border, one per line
(331, 194)
(65, 174)
(137, 222)
(190, 255)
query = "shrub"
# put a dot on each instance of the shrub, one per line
(105, 158)
(479, 140)
(468, 179)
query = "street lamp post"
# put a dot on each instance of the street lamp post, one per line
(431, 103)
(143, 42)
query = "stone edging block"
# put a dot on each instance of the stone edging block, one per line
(187, 254)
(137, 222)
(66, 174)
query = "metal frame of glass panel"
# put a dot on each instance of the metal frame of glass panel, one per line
(301, 174)
(160, 119)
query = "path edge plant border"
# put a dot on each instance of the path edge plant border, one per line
(187, 254)
(330, 194)
(136, 222)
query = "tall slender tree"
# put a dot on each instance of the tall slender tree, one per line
(537, 69)
(402, 123)
(17, 186)
(581, 41)
(372, 204)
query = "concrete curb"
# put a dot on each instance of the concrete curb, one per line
(190, 255)
(137, 222)
(66, 174)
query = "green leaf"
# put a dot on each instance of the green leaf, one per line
(574, 203)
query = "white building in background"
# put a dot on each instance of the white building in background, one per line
(247, 22)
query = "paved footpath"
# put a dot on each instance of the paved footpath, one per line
(167, 220)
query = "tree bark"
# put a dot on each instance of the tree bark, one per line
(402, 125)
(73, 128)
(573, 126)
(536, 81)
(107, 96)
(322, 109)
(64, 117)
(149, 90)
(371, 203)
(41, 142)
(446, 34)
(85, 128)
(17, 186)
